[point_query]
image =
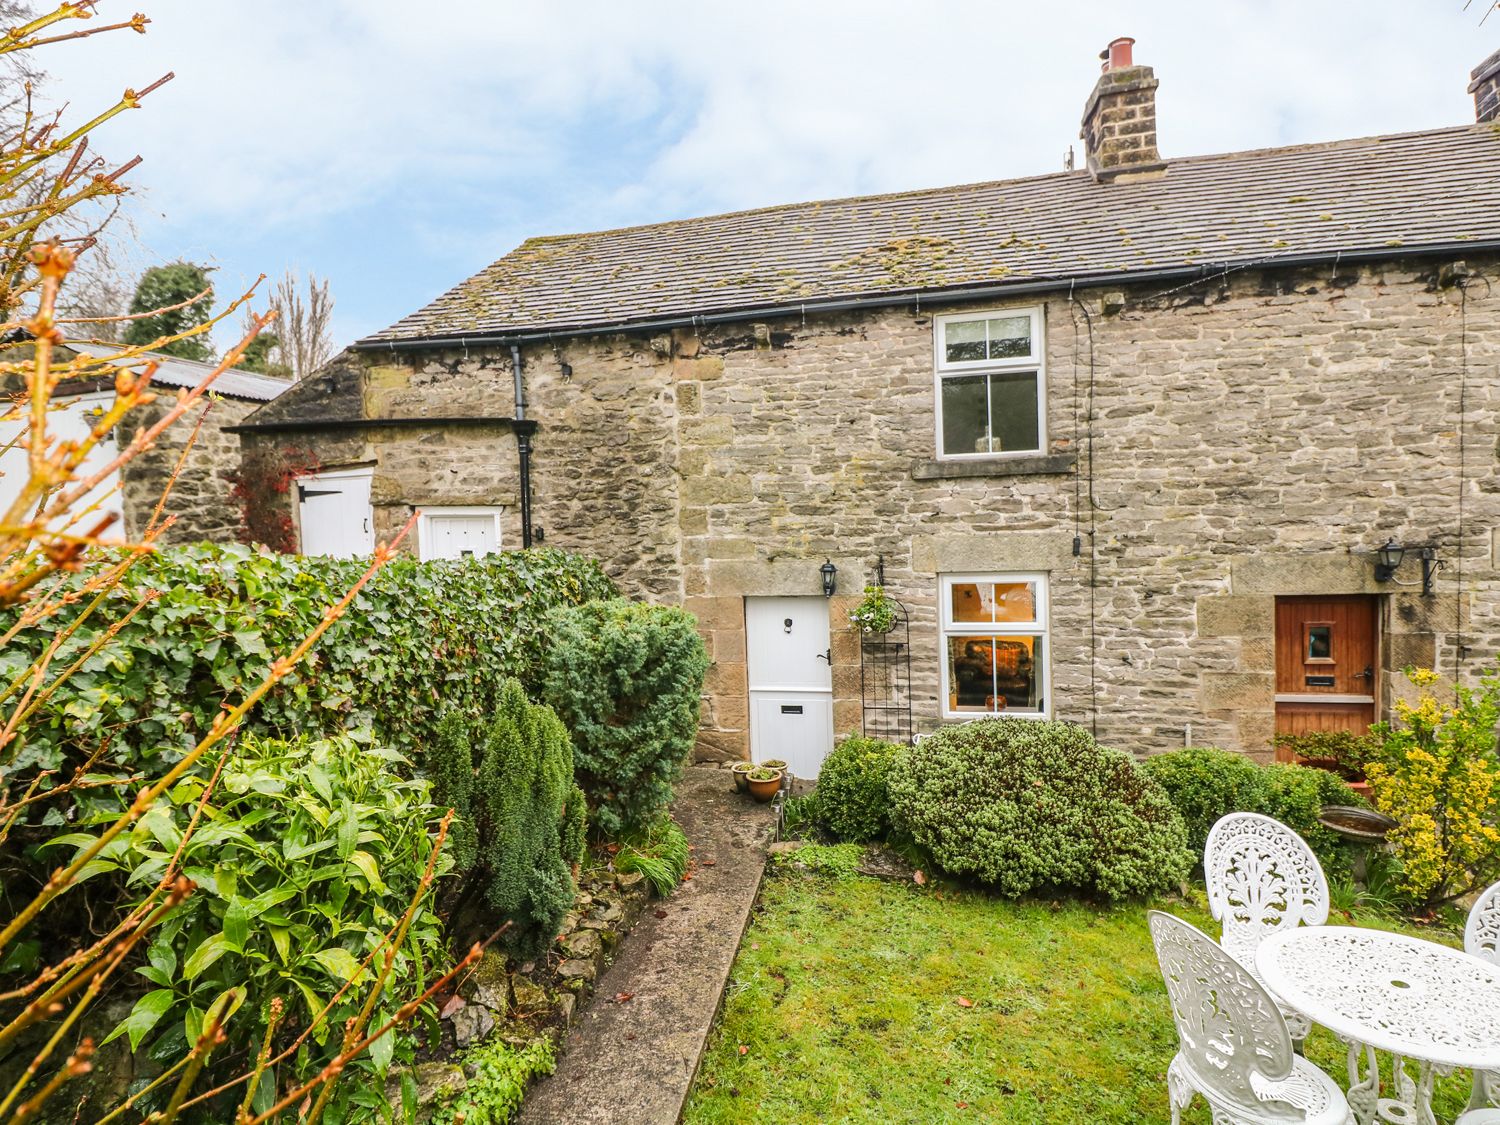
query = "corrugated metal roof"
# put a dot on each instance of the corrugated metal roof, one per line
(1399, 192)
(174, 372)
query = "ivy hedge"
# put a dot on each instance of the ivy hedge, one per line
(421, 639)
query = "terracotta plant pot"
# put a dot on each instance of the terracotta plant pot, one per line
(741, 772)
(764, 788)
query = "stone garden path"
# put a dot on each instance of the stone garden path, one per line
(632, 1062)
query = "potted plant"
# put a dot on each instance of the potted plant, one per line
(741, 771)
(1339, 752)
(764, 783)
(875, 613)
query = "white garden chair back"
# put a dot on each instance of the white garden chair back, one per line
(1234, 1046)
(1482, 933)
(1482, 939)
(1262, 878)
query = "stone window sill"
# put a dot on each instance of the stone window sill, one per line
(1053, 463)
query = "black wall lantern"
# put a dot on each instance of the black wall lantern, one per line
(1388, 560)
(828, 571)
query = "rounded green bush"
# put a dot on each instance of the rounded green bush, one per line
(1024, 805)
(1206, 784)
(853, 803)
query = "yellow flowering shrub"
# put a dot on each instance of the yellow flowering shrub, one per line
(1438, 776)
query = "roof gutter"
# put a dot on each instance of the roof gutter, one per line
(952, 293)
(297, 425)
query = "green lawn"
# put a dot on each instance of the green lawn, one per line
(845, 1005)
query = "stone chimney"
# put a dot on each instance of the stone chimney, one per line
(1119, 121)
(1486, 89)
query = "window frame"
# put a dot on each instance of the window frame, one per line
(1041, 626)
(424, 526)
(1035, 361)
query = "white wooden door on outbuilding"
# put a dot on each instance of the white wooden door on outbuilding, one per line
(334, 513)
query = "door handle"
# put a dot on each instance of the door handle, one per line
(1367, 674)
(825, 655)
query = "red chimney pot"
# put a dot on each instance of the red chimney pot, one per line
(1118, 54)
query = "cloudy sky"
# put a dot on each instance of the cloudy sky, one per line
(396, 148)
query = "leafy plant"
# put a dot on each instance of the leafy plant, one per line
(853, 802)
(306, 854)
(1024, 805)
(519, 824)
(660, 853)
(420, 638)
(500, 1073)
(764, 773)
(53, 567)
(800, 814)
(1438, 775)
(1349, 751)
(1205, 784)
(836, 861)
(876, 612)
(626, 679)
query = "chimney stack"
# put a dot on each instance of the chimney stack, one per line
(1486, 89)
(1119, 120)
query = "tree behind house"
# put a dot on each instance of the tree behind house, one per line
(304, 340)
(176, 296)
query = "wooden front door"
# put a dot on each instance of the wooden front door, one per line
(1325, 664)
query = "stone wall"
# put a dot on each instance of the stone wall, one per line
(1251, 436)
(201, 499)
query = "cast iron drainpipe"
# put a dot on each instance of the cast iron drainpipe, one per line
(524, 428)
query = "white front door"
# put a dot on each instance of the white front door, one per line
(791, 681)
(334, 513)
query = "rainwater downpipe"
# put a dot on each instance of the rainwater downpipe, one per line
(524, 429)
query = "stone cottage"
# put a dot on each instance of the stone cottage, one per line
(1186, 450)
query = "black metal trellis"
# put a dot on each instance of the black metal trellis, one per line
(885, 680)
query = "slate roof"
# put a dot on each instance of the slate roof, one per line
(1401, 192)
(174, 372)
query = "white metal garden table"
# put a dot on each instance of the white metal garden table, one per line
(1424, 1003)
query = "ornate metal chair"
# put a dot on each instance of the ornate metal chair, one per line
(1482, 939)
(1262, 878)
(1234, 1047)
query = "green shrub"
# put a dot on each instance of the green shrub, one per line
(626, 679)
(516, 832)
(1295, 795)
(1206, 784)
(660, 853)
(853, 803)
(799, 815)
(1028, 805)
(305, 856)
(419, 637)
(500, 1074)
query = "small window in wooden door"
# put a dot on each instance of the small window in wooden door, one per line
(1325, 664)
